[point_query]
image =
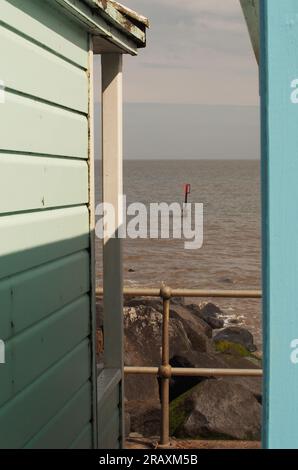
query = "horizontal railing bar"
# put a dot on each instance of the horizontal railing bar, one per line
(141, 370)
(186, 372)
(241, 294)
(207, 293)
(196, 372)
(139, 292)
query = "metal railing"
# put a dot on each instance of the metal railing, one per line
(165, 371)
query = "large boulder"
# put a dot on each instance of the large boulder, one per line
(213, 360)
(209, 313)
(143, 334)
(197, 329)
(179, 385)
(152, 302)
(216, 408)
(235, 340)
(144, 417)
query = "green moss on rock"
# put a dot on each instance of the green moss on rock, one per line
(228, 347)
(179, 411)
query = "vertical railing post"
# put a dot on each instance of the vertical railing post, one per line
(165, 369)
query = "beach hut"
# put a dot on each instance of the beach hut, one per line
(277, 44)
(50, 395)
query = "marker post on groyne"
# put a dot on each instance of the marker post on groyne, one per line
(187, 189)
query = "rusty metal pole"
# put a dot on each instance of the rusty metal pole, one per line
(165, 369)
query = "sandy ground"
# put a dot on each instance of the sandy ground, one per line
(152, 443)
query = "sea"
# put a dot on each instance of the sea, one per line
(230, 256)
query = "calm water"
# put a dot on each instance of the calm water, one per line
(230, 256)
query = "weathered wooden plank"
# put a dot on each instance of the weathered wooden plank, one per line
(28, 240)
(84, 440)
(32, 295)
(107, 381)
(28, 183)
(93, 20)
(63, 429)
(108, 406)
(279, 82)
(109, 419)
(109, 432)
(30, 69)
(45, 24)
(30, 353)
(127, 20)
(25, 415)
(48, 130)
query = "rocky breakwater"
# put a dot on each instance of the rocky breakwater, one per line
(201, 407)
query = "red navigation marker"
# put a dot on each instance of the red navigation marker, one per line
(186, 192)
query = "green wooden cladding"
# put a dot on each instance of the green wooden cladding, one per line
(41, 128)
(45, 305)
(48, 27)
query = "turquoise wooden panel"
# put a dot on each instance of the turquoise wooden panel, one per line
(34, 127)
(32, 352)
(28, 183)
(108, 406)
(84, 440)
(46, 25)
(31, 69)
(109, 434)
(61, 431)
(31, 239)
(279, 80)
(34, 294)
(25, 415)
(109, 420)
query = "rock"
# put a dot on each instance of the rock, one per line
(144, 302)
(253, 384)
(143, 327)
(196, 328)
(216, 408)
(235, 340)
(143, 387)
(179, 385)
(144, 417)
(226, 280)
(209, 313)
(177, 301)
(135, 435)
(99, 343)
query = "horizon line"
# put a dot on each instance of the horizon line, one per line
(216, 159)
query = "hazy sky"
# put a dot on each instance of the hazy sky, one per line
(193, 92)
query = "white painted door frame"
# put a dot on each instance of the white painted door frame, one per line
(112, 171)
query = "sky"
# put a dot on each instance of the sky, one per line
(193, 91)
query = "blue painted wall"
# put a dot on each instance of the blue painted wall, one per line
(279, 96)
